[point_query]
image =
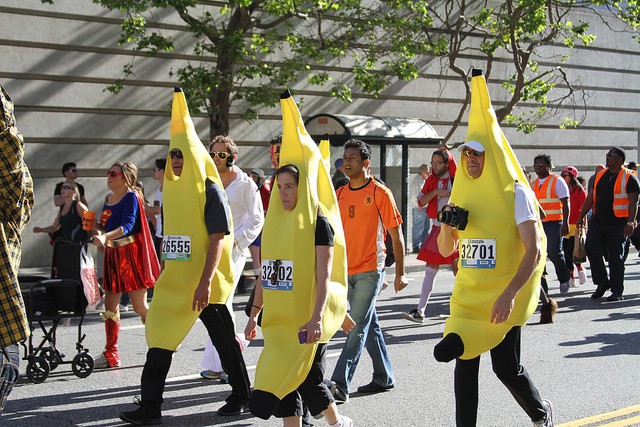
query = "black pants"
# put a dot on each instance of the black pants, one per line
(217, 320)
(611, 238)
(505, 359)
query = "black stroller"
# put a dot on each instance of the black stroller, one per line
(48, 303)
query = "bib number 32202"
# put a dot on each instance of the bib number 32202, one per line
(478, 253)
(176, 248)
(277, 275)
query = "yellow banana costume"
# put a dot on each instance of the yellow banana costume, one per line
(170, 315)
(476, 289)
(290, 236)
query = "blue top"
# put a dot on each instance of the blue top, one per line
(125, 214)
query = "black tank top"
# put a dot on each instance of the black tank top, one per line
(71, 225)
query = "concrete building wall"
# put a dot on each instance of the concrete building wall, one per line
(58, 59)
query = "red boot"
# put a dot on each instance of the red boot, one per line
(110, 358)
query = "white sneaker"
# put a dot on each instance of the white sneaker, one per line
(344, 422)
(572, 282)
(548, 420)
(582, 276)
(123, 308)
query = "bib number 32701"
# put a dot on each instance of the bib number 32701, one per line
(176, 248)
(277, 275)
(478, 253)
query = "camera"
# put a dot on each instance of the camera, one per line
(455, 216)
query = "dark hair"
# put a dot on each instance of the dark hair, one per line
(227, 141)
(544, 157)
(442, 153)
(276, 140)
(67, 166)
(161, 163)
(290, 169)
(620, 152)
(365, 150)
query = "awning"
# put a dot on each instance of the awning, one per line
(377, 130)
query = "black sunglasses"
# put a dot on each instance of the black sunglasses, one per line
(176, 154)
(469, 152)
(67, 187)
(221, 154)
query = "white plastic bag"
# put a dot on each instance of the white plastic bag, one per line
(89, 277)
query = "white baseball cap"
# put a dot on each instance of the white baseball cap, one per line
(474, 145)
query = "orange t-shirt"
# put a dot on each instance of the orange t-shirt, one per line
(367, 212)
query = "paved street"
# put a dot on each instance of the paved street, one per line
(587, 363)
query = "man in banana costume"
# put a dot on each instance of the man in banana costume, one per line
(303, 281)
(198, 274)
(490, 303)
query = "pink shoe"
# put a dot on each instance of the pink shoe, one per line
(582, 276)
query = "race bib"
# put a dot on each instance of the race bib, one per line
(176, 248)
(478, 253)
(277, 275)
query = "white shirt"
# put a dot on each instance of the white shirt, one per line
(562, 189)
(525, 209)
(158, 198)
(246, 209)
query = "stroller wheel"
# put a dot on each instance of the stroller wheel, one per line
(38, 369)
(52, 357)
(82, 365)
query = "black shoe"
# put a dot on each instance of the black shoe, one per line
(373, 387)
(599, 293)
(141, 417)
(233, 407)
(338, 395)
(615, 297)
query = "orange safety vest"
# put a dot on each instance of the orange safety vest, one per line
(620, 195)
(548, 198)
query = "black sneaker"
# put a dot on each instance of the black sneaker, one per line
(233, 407)
(142, 417)
(374, 388)
(338, 395)
(414, 316)
(600, 290)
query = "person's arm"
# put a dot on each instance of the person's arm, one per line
(397, 240)
(447, 240)
(438, 192)
(249, 230)
(258, 302)
(530, 237)
(586, 207)
(203, 291)
(51, 228)
(564, 229)
(631, 219)
(84, 201)
(128, 221)
(324, 257)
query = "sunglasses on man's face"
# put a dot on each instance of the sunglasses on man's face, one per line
(221, 154)
(176, 154)
(469, 152)
(113, 174)
(72, 170)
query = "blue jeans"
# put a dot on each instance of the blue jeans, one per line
(419, 228)
(610, 237)
(554, 249)
(363, 289)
